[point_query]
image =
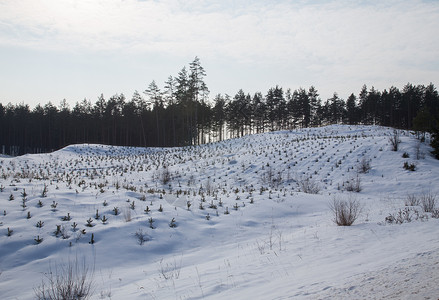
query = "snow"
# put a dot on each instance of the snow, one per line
(276, 242)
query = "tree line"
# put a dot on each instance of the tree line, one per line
(181, 114)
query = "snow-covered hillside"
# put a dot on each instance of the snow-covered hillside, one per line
(226, 220)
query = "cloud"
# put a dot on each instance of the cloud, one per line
(327, 40)
(147, 24)
(284, 28)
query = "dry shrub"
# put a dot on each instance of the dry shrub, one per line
(165, 175)
(353, 185)
(345, 211)
(127, 214)
(364, 166)
(71, 281)
(309, 186)
(428, 202)
(412, 200)
(394, 140)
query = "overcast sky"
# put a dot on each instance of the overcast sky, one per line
(76, 49)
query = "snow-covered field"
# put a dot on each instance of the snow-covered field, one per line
(249, 233)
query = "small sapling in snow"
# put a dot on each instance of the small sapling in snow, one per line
(24, 195)
(151, 222)
(141, 236)
(38, 240)
(89, 222)
(104, 219)
(66, 218)
(92, 240)
(116, 211)
(44, 192)
(57, 231)
(409, 167)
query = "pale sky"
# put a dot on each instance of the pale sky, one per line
(76, 49)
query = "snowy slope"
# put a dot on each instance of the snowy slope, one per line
(250, 231)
